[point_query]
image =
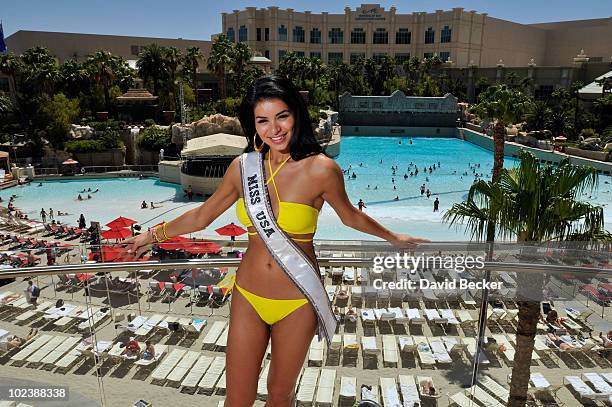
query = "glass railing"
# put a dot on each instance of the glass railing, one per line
(410, 325)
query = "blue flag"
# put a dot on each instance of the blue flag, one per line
(2, 43)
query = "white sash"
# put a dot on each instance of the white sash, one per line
(289, 256)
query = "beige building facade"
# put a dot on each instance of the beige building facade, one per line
(467, 38)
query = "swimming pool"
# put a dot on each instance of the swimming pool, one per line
(412, 213)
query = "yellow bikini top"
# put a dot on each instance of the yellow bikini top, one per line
(294, 218)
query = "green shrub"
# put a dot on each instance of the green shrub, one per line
(149, 122)
(110, 139)
(228, 106)
(84, 146)
(55, 116)
(104, 125)
(154, 138)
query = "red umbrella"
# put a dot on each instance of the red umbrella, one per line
(231, 230)
(202, 248)
(70, 161)
(175, 243)
(121, 222)
(116, 233)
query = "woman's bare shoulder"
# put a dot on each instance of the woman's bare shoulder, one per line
(321, 166)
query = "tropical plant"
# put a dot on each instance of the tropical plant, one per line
(41, 71)
(154, 138)
(151, 65)
(55, 116)
(6, 105)
(219, 60)
(531, 203)
(11, 66)
(537, 116)
(100, 67)
(191, 62)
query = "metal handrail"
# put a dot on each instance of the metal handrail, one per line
(234, 262)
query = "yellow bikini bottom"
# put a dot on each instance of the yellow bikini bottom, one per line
(269, 310)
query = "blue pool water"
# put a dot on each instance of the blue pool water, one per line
(412, 213)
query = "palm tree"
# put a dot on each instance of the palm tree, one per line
(532, 203)
(537, 116)
(241, 60)
(74, 78)
(41, 71)
(220, 59)
(100, 67)
(151, 65)
(191, 62)
(11, 66)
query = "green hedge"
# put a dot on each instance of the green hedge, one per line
(84, 146)
(154, 138)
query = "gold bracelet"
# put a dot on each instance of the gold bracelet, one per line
(164, 232)
(157, 239)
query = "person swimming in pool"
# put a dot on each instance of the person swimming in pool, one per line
(267, 304)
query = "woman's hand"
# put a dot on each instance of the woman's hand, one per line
(407, 242)
(138, 245)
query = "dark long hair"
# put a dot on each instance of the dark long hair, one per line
(303, 142)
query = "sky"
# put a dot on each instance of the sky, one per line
(199, 19)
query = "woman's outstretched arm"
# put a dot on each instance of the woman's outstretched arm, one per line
(329, 175)
(198, 218)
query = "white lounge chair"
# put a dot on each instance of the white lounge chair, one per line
(494, 388)
(262, 383)
(66, 346)
(325, 392)
(315, 353)
(182, 367)
(580, 387)
(348, 390)
(196, 373)
(426, 356)
(216, 329)
(439, 351)
(31, 347)
(160, 351)
(602, 388)
(307, 387)
(414, 316)
(388, 389)
(409, 390)
(449, 316)
(212, 375)
(390, 354)
(163, 369)
(483, 397)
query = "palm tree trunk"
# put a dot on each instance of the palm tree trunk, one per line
(529, 313)
(499, 133)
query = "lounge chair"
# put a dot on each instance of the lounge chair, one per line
(163, 369)
(483, 397)
(221, 342)
(307, 386)
(179, 371)
(439, 351)
(433, 316)
(408, 390)
(494, 388)
(315, 353)
(59, 352)
(390, 354)
(580, 387)
(603, 389)
(325, 392)
(212, 375)
(193, 377)
(426, 356)
(348, 390)
(414, 316)
(149, 325)
(422, 382)
(390, 395)
(32, 347)
(461, 400)
(213, 334)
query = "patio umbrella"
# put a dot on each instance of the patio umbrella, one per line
(120, 233)
(230, 230)
(174, 243)
(202, 248)
(70, 161)
(121, 222)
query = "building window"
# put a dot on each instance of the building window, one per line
(403, 36)
(267, 53)
(315, 36)
(428, 55)
(281, 54)
(429, 36)
(334, 57)
(231, 35)
(259, 34)
(243, 35)
(282, 33)
(355, 56)
(135, 49)
(381, 36)
(358, 36)
(445, 35)
(267, 34)
(336, 36)
(298, 34)
(315, 54)
(444, 56)
(299, 54)
(378, 57)
(401, 59)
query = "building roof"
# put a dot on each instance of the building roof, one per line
(594, 90)
(214, 145)
(137, 95)
(258, 59)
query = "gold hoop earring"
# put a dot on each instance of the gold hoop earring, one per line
(257, 148)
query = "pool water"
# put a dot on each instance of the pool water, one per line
(412, 213)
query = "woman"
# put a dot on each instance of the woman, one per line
(267, 303)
